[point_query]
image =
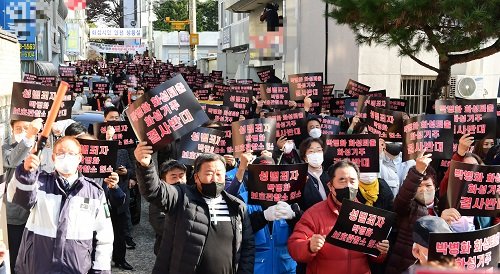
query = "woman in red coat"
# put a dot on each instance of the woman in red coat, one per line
(307, 242)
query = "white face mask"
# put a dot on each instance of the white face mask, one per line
(108, 104)
(67, 165)
(288, 147)
(19, 137)
(315, 159)
(368, 177)
(315, 132)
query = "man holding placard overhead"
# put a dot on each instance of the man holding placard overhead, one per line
(206, 229)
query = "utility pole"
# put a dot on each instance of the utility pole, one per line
(192, 28)
(150, 28)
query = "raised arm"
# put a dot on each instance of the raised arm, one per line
(164, 196)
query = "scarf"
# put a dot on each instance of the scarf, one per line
(369, 192)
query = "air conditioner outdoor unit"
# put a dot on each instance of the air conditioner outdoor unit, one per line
(467, 87)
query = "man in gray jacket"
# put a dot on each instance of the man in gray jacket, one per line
(206, 229)
(14, 151)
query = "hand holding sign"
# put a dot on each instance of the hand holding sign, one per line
(307, 103)
(422, 162)
(31, 163)
(112, 180)
(383, 246)
(34, 127)
(464, 144)
(143, 154)
(316, 242)
(450, 215)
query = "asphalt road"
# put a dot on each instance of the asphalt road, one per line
(142, 257)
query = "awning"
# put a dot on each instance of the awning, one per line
(46, 69)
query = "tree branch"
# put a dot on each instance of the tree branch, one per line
(404, 51)
(477, 54)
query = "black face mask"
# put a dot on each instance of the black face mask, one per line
(346, 193)
(212, 189)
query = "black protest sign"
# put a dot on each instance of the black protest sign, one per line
(337, 106)
(242, 88)
(119, 88)
(306, 84)
(47, 80)
(191, 80)
(99, 158)
(244, 81)
(265, 75)
(275, 95)
(223, 114)
(360, 227)
(166, 113)
(361, 149)
(132, 80)
(132, 70)
(30, 78)
(363, 100)
(432, 133)
(327, 96)
(231, 81)
(253, 134)
(350, 107)
(100, 87)
(376, 93)
(31, 101)
(151, 82)
(124, 133)
(398, 105)
(202, 93)
(67, 71)
(354, 89)
(289, 123)
(269, 184)
(329, 125)
(470, 250)
(387, 124)
(474, 190)
(256, 90)
(76, 86)
(498, 120)
(200, 140)
(219, 90)
(476, 117)
(226, 143)
(240, 101)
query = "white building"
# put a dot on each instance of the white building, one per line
(306, 47)
(77, 39)
(174, 46)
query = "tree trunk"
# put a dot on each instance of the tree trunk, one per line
(442, 79)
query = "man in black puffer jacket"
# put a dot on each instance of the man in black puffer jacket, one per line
(206, 229)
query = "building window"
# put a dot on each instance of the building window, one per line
(416, 90)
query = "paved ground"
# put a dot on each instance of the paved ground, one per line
(142, 257)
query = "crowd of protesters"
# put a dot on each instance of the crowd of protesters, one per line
(60, 221)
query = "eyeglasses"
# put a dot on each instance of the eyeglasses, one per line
(62, 156)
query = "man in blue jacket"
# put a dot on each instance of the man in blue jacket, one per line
(69, 218)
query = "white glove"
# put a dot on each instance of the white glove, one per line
(270, 213)
(284, 211)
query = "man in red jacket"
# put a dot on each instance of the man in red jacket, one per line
(307, 242)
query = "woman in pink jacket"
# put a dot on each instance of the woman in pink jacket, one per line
(307, 242)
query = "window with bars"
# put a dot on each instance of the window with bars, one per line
(416, 90)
